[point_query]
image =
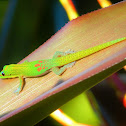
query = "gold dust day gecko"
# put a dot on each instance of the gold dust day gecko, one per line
(58, 64)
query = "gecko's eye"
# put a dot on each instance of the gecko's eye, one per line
(3, 73)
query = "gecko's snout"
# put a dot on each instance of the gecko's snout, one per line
(2, 73)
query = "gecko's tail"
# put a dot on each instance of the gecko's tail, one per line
(99, 47)
(81, 54)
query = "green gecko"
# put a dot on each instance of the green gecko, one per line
(58, 64)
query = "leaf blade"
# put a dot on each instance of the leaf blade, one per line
(85, 31)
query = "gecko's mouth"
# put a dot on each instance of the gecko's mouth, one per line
(5, 76)
(1, 74)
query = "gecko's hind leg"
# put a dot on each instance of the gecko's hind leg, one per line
(69, 52)
(61, 70)
(58, 54)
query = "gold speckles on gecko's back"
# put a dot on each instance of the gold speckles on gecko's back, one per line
(39, 67)
(42, 65)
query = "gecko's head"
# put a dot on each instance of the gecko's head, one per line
(5, 71)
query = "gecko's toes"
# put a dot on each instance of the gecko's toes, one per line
(71, 64)
(25, 61)
(69, 52)
(17, 91)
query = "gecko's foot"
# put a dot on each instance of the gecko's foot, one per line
(17, 91)
(69, 52)
(25, 61)
(70, 64)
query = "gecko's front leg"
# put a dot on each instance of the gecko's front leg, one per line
(19, 89)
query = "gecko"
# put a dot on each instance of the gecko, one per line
(58, 64)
